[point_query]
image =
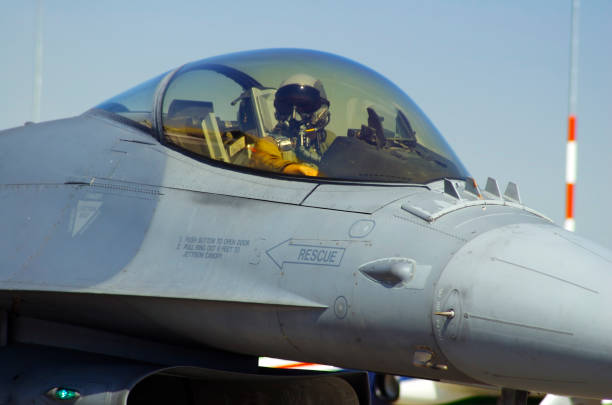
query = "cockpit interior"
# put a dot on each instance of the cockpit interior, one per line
(291, 112)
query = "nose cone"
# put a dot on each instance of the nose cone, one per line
(532, 310)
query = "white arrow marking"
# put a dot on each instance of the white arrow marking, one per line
(85, 214)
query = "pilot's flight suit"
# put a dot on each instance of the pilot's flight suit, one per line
(266, 154)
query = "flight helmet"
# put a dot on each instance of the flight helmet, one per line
(301, 103)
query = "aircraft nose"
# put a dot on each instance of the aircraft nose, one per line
(529, 307)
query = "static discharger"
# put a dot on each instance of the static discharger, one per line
(493, 188)
(472, 187)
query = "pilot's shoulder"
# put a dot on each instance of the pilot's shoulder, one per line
(266, 147)
(266, 143)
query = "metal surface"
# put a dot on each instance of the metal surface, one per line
(512, 193)
(362, 199)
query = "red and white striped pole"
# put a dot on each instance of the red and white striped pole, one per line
(570, 174)
(571, 159)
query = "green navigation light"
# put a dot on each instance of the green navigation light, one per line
(63, 394)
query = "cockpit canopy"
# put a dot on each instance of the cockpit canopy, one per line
(293, 112)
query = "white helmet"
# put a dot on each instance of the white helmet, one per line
(301, 98)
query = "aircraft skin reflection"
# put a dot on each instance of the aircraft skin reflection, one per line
(282, 203)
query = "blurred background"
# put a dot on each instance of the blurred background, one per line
(492, 75)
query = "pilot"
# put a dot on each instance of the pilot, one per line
(299, 140)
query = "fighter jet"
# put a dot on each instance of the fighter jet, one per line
(282, 203)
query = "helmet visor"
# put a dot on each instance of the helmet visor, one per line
(305, 99)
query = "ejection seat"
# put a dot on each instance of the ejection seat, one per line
(193, 125)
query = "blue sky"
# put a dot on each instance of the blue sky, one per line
(492, 75)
